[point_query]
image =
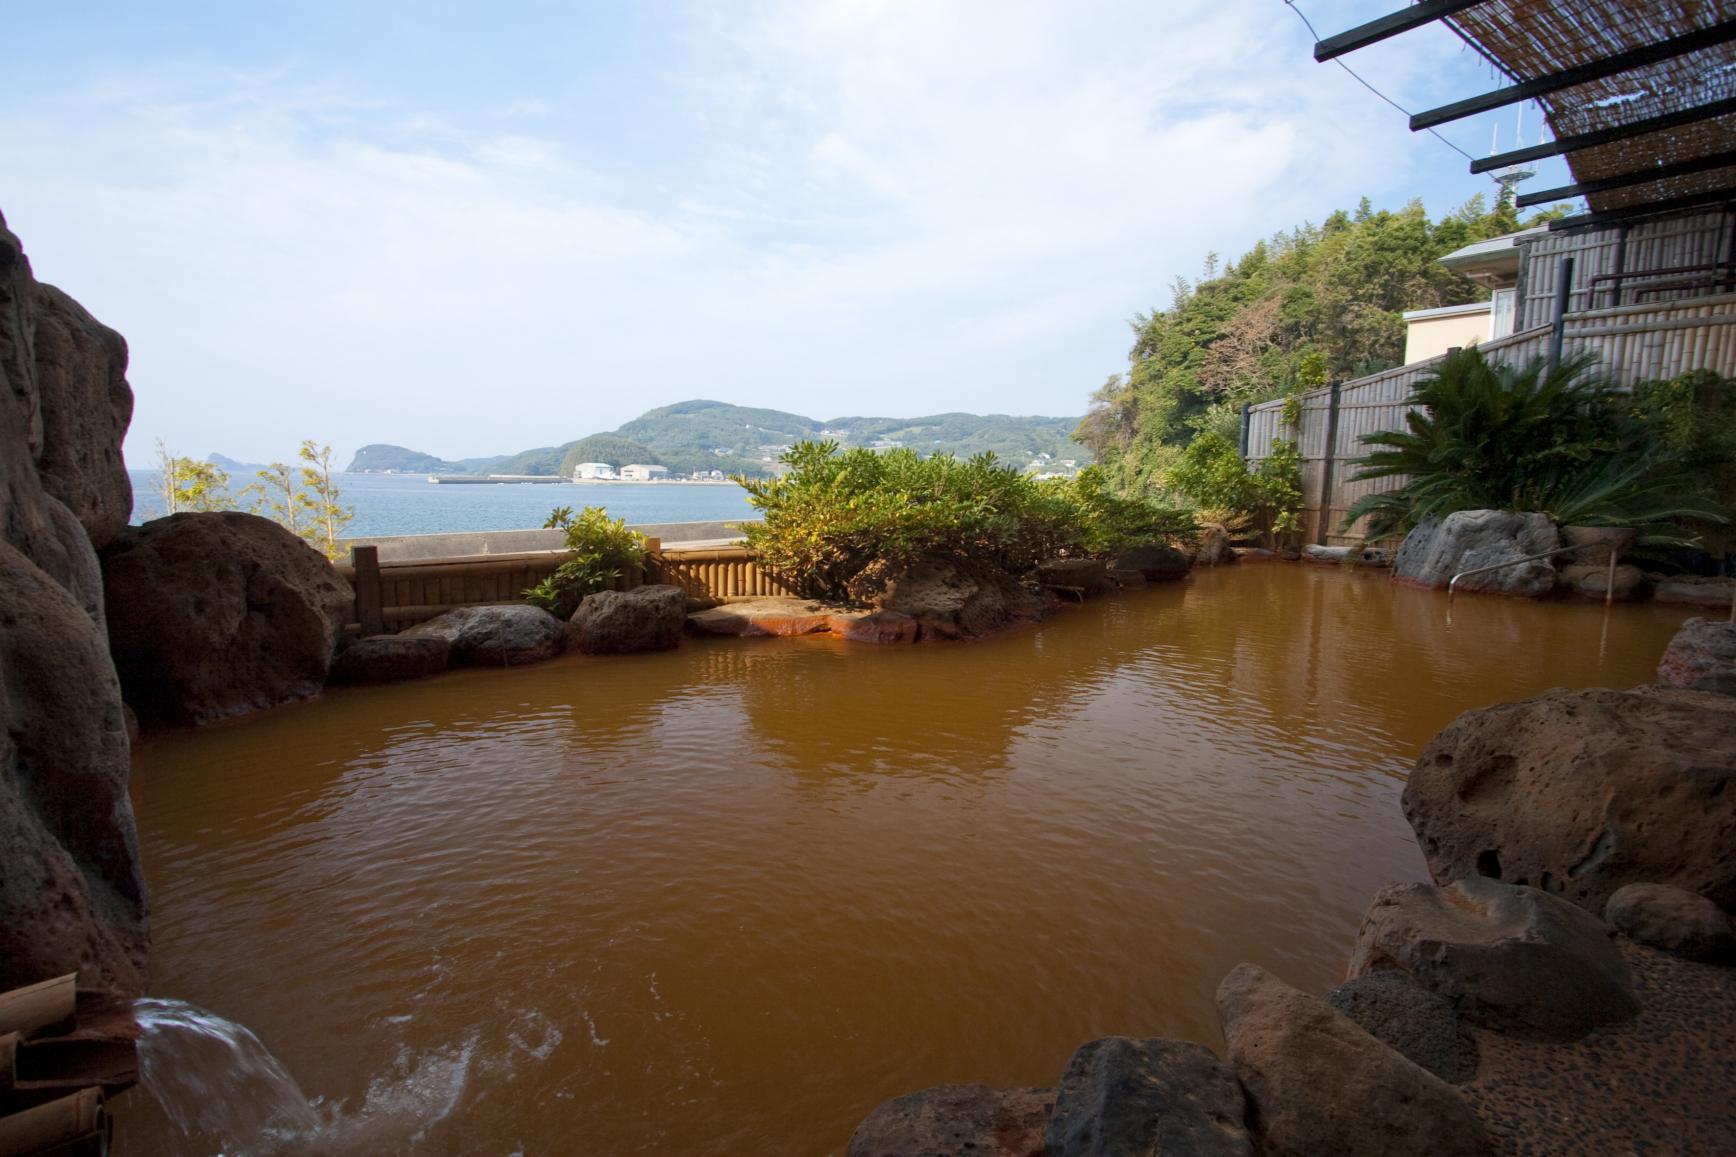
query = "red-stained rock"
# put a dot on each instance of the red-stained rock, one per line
(955, 1120)
(1702, 656)
(873, 626)
(750, 618)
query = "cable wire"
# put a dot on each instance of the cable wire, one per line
(1303, 16)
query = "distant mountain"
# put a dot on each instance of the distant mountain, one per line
(233, 468)
(706, 435)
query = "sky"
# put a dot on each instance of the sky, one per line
(473, 229)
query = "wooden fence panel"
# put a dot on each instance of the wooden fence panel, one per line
(1632, 344)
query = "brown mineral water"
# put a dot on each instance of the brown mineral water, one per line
(726, 899)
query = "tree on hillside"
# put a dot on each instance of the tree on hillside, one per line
(1304, 307)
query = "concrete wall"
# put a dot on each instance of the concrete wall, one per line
(408, 547)
(1436, 332)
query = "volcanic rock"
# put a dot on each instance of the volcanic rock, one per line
(1678, 922)
(1156, 562)
(646, 618)
(954, 1120)
(1581, 792)
(1591, 582)
(1420, 1025)
(1509, 958)
(213, 615)
(1437, 549)
(1083, 576)
(1125, 1097)
(1322, 1087)
(495, 636)
(1702, 656)
(750, 618)
(390, 659)
(948, 600)
(1213, 548)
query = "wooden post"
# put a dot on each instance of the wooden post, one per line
(366, 561)
(1326, 464)
(1558, 331)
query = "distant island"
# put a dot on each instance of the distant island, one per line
(700, 437)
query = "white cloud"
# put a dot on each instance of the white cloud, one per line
(880, 207)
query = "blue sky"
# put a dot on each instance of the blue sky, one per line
(473, 229)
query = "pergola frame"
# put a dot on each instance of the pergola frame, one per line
(1642, 109)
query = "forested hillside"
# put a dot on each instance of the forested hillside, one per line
(1306, 307)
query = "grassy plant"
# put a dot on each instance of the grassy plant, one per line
(606, 550)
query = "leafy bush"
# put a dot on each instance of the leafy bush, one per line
(1563, 441)
(1109, 522)
(1692, 421)
(1268, 500)
(606, 548)
(835, 513)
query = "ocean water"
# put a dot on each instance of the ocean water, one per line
(387, 504)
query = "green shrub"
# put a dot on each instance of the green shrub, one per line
(1692, 421)
(606, 548)
(835, 513)
(1268, 500)
(1486, 435)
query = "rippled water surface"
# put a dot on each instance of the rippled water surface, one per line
(726, 899)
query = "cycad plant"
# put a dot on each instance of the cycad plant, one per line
(1486, 435)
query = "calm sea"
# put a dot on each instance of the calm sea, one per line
(388, 504)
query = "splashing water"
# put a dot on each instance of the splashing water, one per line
(218, 1084)
(228, 1096)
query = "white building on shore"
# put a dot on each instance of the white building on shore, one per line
(640, 473)
(590, 471)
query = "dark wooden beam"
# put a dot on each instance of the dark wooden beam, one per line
(1685, 168)
(1727, 197)
(1389, 25)
(1592, 140)
(1709, 37)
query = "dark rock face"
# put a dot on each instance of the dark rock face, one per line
(1421, 1026)
(1155, 562)
(1509, 958)
(955, 1120)
(647, 618)
(495, 636)
(947, 600)
(390, 659)
(72, 896)
(1581, 792)
(1322, 1087)
(1701, 657)
(1084, 576)
(1436, 550)
(1696, 592)
(1675, 921)
(216, 615)
(1124, 1097)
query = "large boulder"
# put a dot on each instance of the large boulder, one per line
(72, 896)
(213, 615)
(647, 618)
(954, 1120)
(1421, 1025)
(1156, 562)
(1509, 958)
(1580, 792)
(1084, 577)
(872, 626)
(1695, 591)
(948, 600)
(509, 636)
(1322, 1087)
(1676, 921)
(1126, 1097)
(1438, 549)
(1592, 582)
(1702, 656)
(390, 659)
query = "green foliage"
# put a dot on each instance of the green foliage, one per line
(1692, 421)
(189, 484)
(1314, 304)
(1267, 500)
(1109, 522)
(276, 494)
(606, 550)
(326, 515)
(1486, 435)
(836, 512)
